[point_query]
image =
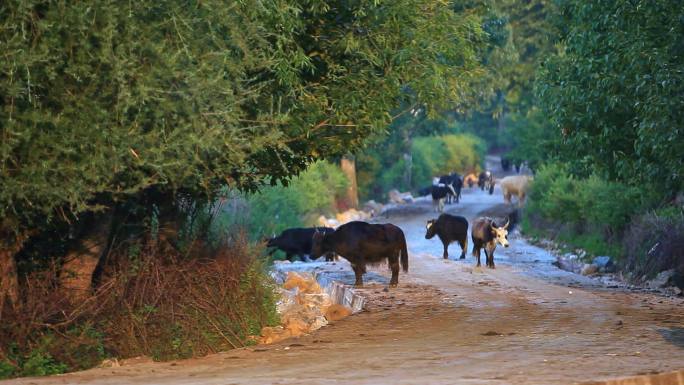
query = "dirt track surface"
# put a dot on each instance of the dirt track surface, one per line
(525, 322)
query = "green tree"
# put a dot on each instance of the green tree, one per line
(104, 103)
(615, 90)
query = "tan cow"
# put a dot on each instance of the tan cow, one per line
(470, 180)
(515, 185)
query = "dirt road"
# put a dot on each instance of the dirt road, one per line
(450, 323)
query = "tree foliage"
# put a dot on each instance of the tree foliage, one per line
(615, 90)
(384, 166)
(103, 100)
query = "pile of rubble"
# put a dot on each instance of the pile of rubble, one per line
(399, 198)
(369, 210)
(344, 217)
(303, 308)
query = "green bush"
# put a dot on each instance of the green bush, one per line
(275, 208)
(431, 156)
(42, 364)
(591, 213)
(439, 155)
(6, 369)
(654, 242)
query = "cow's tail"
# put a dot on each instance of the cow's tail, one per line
(404, 254)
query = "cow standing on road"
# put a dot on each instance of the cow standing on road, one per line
(364, 244)
(454, 181)
(449, 228)
(297, 242)
(515, 185)
(486, 181)
(486, 234)
(440, 193)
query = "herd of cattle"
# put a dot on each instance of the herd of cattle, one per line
(363, 243)
(447, 188)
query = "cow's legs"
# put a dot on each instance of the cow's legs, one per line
(507, 196)
(446, 247)
(394, 265)
(476, 252)
(490, 257)
(464, 246)
(289, 257)
(358, 272)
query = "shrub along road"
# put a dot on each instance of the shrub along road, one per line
(448, 322)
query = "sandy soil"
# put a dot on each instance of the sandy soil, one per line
(525, 322)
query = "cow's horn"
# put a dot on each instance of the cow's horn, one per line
(508, 221)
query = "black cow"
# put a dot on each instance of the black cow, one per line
(486, 181)
(364, 244)
(449, 228)
(297, 242)
(440, 193)
(505, 164)
(456, 182)
(486, 234)
(425, 191)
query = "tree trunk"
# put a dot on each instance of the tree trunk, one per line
(79, 265)
(9, 286)
(502, 117)
(408, 159)
(8, 275)
(348, 165)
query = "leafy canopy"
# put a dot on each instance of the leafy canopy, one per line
(615, 90)
(102, 100)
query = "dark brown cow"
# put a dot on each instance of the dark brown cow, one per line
(449, 228)
(486, 234)
(364, 244)
(486, 181)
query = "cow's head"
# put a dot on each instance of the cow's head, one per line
(317, 244)
(271, 242)
(500, 233)
(430, 229)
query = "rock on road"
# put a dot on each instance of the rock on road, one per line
(525, 322)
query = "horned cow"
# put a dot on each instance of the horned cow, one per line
(486, 234)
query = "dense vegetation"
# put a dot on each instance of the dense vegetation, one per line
(615, 91)
(613, 142)
(314, 192)
(141, 139)
(124, 126)
(101, 102)
(153, 302)
(384, 166)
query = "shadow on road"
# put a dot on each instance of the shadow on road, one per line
(674, 335)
